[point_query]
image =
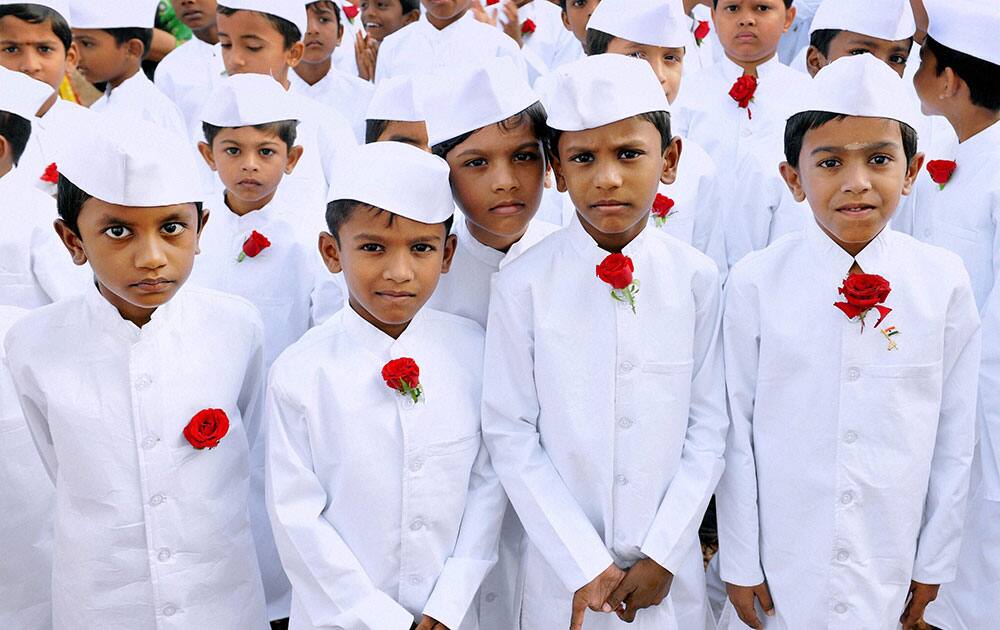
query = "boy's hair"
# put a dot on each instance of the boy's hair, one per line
(374, 128)
(17, 131)
(340, 210)
(597, 42)
(821, 39)
(410, 5)
(329, 4)
(980, 75)
(660, 120)
(715, 4)
(799, 124)
(534, 114)
(70, 200)
(124, 35)
(36, 14)
(286, 130)
(288, 30)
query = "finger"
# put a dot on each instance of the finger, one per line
(576, 620)
(748, 614)
(630, 611)
(764, 595)
(619, 595)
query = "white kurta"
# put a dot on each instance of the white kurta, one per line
(47, 135)
(137, 97)
(699, 57)
(346, 94)
(847, 464)
(383, 509)
(26, 502)
(550, 45)
(187, 76)
(149, 532)
(606, 427)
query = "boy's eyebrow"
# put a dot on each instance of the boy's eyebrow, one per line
(874, 146)
(526, 145)
(251, 36)
(6, 42)
(619, 144)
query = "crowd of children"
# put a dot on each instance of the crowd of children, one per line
(457, 314)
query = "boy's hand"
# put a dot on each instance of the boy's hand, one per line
(743, 598)
(366, 54)
(646, 584)
(920, 596)
(513, 25)
(430, 624)
(595, 595)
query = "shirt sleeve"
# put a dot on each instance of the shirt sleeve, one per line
(989, 375)
(53, 268)
(708, 235)
(251, 400)
(32, 402)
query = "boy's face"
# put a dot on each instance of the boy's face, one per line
(497, 177)
(576, 15)
(933, 88)
(853, 172)
(391, 269)
(751, 29)
(140, 256)
(323, 34)
(250, 163)
(197, 15)
(252, 45)
(612, 175)
(667, 63)
(101, 58)
(445, 9)
(893, 53)
(384, 17)
(35, 50)
(407, 132)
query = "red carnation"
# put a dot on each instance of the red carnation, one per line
(616, 270)
(529, 26)
(350, 11)
(864, 292)
(941, 171)
(743, 90)
(403, 375)
(701, 32)
(51, 174)
(253, 246)
(662, 209)
(207, 428)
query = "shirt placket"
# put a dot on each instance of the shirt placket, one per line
(413, 522)
(626, 409)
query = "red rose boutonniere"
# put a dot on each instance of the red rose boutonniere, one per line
(528, 27)
(701, 32)
(51, 174)
(403, 375)
(663, 209)
(254, 245)
(742, 92)
(617, 271)
(864, 292)
(207, 428)
(941, 171)
(351, 11)
(490, 3)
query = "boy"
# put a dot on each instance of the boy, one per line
(316, 77)
(959, 64)
(143, 400)
(537, 28)
(112, 44)
(606, 426)
(830, 514)
(396, 113)
(575, 16)
(379, 407)
(380, 18)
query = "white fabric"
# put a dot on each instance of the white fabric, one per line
(698, 57)
(138, 98)
(59, 6)
(22, 95)
(823, 494)
(344, 93)
(27, 500)
(398, 178)
(340, 439)
(550, 45)
(892, 21)
(649, 22)
(398, 98)
(48, 134)
(149, 532)
(968, 26)
(599, 90)
(121, 14)
(467, 99)
(187, 75)
(244, 100)
(292, 10)
(605, 426)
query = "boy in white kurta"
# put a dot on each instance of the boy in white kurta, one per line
(396, 112)
(605, 423)
(538, 29)
(851, 359)
(143, 400)
(385, 507)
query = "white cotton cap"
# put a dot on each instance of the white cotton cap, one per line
(292, 10)
(113, 13)
(465, 99)
(398, 98)
(398, 178)
(599, 90)
(243, 100)
(886, 19)
(861, 85)
(968, 26)
(649, 22)
(22, 95)
(131, 162)
(59, 6)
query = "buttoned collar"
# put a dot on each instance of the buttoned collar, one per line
(832, 257)
(733, 71)
(132, 85)
(106, 317)
(587, 247)
(454, 28)
(382, 346)
(984, 142)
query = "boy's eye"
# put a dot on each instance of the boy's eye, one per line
(859, 51)
(579, 3)
(898, 59)
(582, 158)
(880, 160)
(173, 229)
(525, 156)
(118, 232)
(225, 46)
(629, 154)
(423, 248)
(763, 7)
(830, 163)
(10, 50)
(671, 58)
(371, 247)
(233, 151)
(637, 54)
(476, 162)
(255, 48)
(267, 152)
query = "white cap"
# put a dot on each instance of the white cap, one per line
(599, 90)
(59, 6)
(22, 95)
(292, 10)
(398, 178)
(861, 85)
(649, 22)
(113, 13)
(466, 99)
(891, 19)
(968, 26)
(242, 100)
(130, 162)
(397, 98)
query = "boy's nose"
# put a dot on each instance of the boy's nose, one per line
(856, 180)
(151, 254)
(505, 179)
(398, 268)
(608, 178)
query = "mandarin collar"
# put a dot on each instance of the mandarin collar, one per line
(733, 71)
(832, 257)
(455, 27)
(107, 317)
(382, 346)
(586, 246)
(984, 142)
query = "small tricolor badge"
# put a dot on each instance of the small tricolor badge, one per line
(889, 333)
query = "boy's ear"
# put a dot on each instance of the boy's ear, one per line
(4, 149)
(294, 54)
(793, 180)
(789, 18)
(135, 48)
(557, 170)
(912, 171)
(294, 155)
(201, 227)
(329, 250)
(671, 160)
(73, 243)
(814, 60)
(450, 245)
(72, 58)
(205, 149)
(411, 17)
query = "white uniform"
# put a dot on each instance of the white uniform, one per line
(847, 464)
(606, 426)
(550, 45)
(187, 76)
(149, 532)
(346, 94)
(47, 134)
(139, 98)
(26, 501)
(699, 57)
(383, 510)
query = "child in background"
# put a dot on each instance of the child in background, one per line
(380, 19)
(575, 16)
(396, 113)
(537, 28)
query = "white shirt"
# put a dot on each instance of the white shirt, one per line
(346, 94)
(606, 426)
(26, 501)
(35, 268)
(699, 57)
(187, 76)
(149, 532)
(137, 97)
(383, 510)
(47, 135)
(550, 45)
(847, 464)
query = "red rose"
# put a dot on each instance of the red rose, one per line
(403, 375)
(350, 11)
(941, 170)
(616, 270)
(51, 174)
(701, 32)
(662, 206)
(490, 3)
(254, 245)
(528, 26)
(864, 292)
(743, 90)
(207, 428)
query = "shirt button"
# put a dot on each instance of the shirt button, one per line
(842, 555)
(491, 597)
(408, 402)
(627, 367)
(416, 465)
(143, 381)
(850, 437)
(169, 610)
(416, 579)
(625, 422)
(847, 497)
(621, 480)
(164, 555)
(853, 374)
(157, 499)
(148, 442)
(927, 232)
(841, 608)
(745, 132)
(416, 525)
